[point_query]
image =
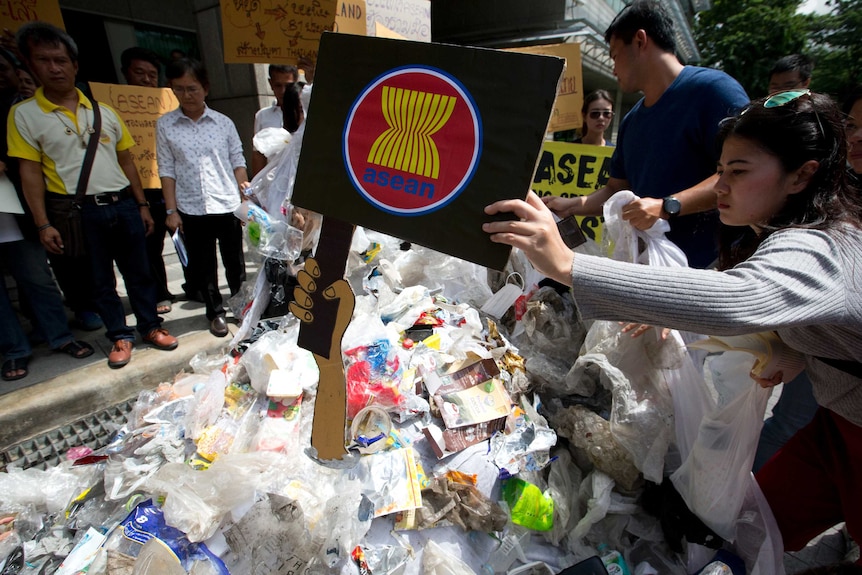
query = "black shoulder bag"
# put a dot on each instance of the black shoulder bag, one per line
(64, 211)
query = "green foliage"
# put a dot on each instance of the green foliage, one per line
(837, 48)
(745, 38)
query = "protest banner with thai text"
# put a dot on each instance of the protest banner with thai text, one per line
(275, 31)
(16, 13)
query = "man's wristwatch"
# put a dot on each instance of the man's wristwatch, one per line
(671, 207)
(143, 204)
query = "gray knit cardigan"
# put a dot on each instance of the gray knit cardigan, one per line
(804, 284)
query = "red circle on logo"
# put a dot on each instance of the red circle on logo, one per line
(412, 140)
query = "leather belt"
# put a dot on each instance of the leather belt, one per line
(108, 198)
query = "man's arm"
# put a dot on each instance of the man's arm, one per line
(127, 164)
(643, 213)
(587, 205)
(33, 183)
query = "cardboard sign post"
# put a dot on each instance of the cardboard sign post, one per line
(274, 31)
(412, 140)
(139, 107)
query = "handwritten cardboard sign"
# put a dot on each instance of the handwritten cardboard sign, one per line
(15, 13)
(350, 17)
(569, 170)
(274, 31)
(570, 97)
(139, 108)
(414, 139)
(409, 19)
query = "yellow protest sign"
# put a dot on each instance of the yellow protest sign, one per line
(15, 13)
(570, 93)
(274, 31)
(350, 17)
(139, 108)
(569, 170)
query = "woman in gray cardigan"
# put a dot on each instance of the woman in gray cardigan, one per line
(792, 264)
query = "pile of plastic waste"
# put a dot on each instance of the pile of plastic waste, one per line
(488, 431)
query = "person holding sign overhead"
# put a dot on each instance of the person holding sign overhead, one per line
(666, 145)
(203, 173)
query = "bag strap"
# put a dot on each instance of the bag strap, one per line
(90, 155)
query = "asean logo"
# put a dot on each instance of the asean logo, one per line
(412, 140)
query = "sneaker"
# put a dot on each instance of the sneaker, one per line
(120, 354)
(161, 339)
(88, 320)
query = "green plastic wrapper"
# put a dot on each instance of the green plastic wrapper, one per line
(529, 507)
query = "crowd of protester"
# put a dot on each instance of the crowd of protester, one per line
(788, 219)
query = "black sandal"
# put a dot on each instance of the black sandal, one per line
(12, 365)
(77, 349)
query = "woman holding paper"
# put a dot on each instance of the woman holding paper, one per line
(794, 269)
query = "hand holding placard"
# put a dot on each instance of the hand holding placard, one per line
(331, 403)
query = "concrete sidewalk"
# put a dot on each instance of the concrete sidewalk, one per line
(61, 389)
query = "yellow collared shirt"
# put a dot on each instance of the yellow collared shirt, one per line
(41, 131)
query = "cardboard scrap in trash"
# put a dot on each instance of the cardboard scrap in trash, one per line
(414, 139)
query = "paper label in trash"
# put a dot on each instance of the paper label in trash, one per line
(446, 442)
(79, 560)
(391, 481)
(478, 404)
(463, 378)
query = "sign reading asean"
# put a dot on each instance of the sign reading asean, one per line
(412, 140)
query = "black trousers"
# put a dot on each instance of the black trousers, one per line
(156, 244)
(201, 234)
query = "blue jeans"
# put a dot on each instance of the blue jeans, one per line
(27, 262)
(794, 410)
(116, 233)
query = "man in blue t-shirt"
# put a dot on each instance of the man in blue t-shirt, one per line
(666, 152)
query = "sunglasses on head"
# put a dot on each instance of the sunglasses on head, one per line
(596, 114)
(784, 98)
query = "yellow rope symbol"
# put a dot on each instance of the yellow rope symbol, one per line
(413, 117)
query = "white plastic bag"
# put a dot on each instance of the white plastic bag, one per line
(714, 478)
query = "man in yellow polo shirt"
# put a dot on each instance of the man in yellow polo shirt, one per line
(49, 134)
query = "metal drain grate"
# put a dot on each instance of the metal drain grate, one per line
(48, 449)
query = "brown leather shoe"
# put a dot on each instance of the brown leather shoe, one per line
(120, 354)
(161, 339)
(218, 326)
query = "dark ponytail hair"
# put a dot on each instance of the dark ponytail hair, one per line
(807, 128)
